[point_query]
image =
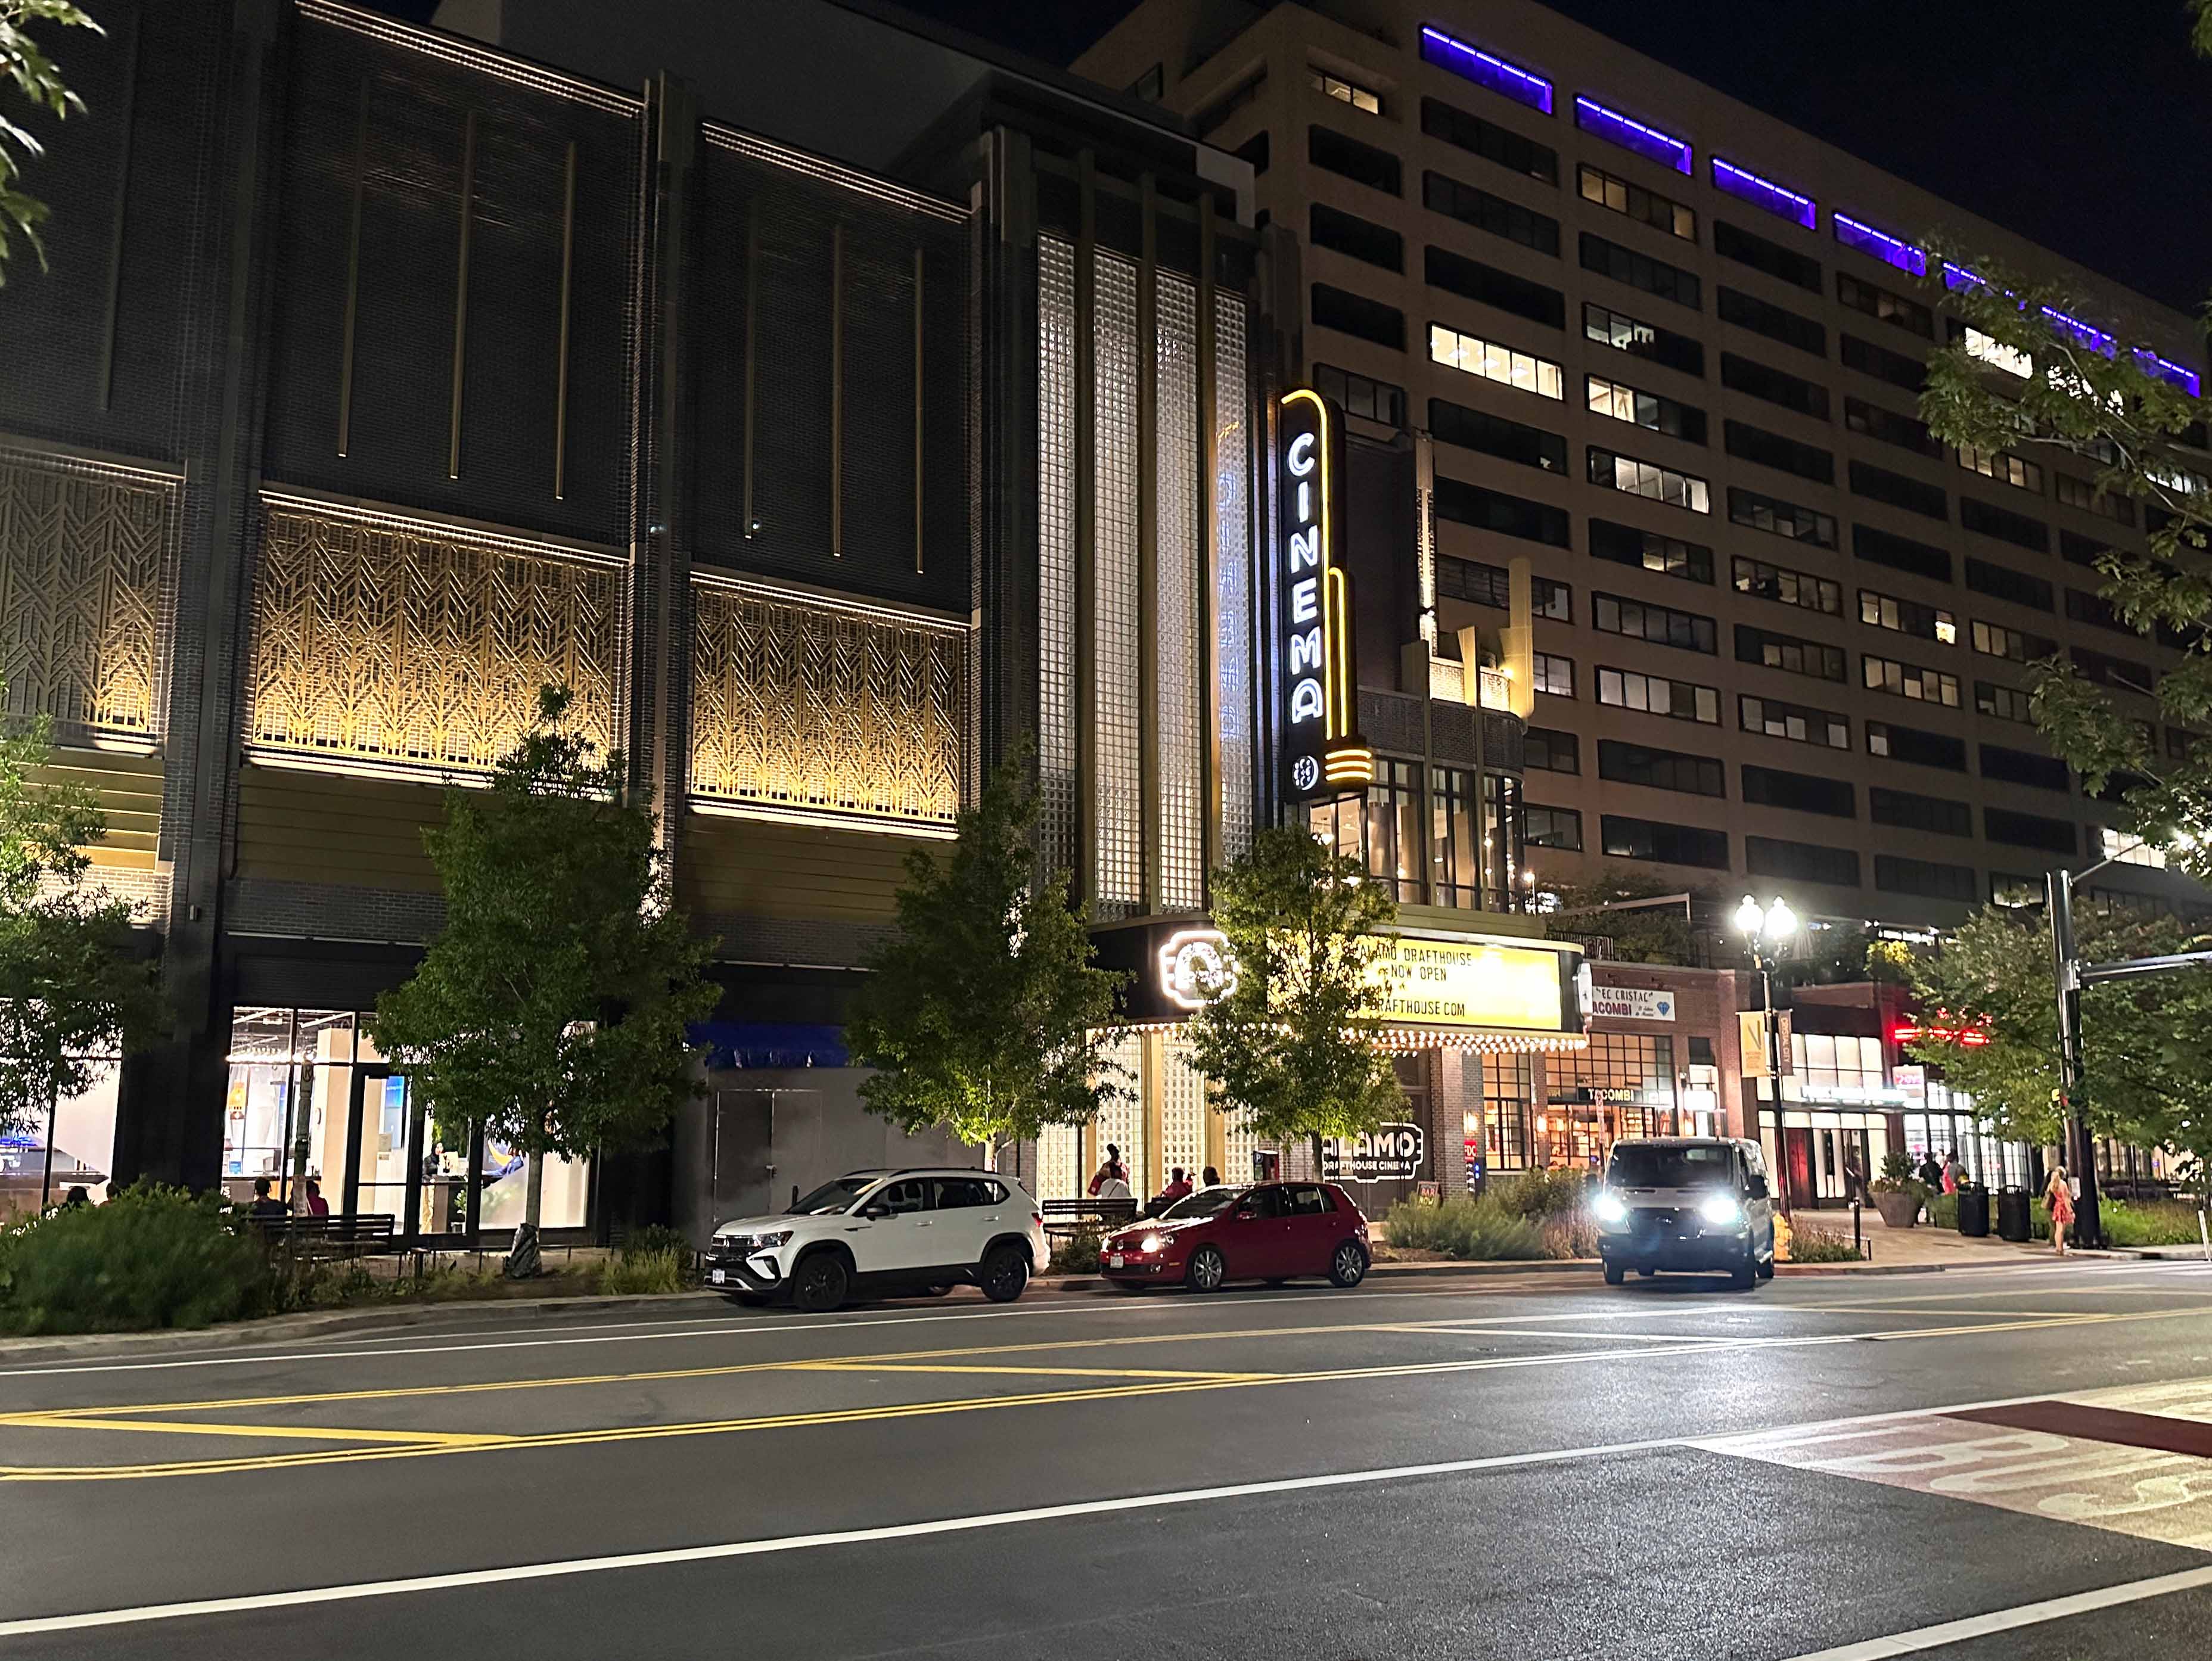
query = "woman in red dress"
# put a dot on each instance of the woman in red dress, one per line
(2058, 1195)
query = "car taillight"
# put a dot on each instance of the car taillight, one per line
(1038, 1217)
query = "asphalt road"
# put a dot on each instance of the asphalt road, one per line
(1980, 1463)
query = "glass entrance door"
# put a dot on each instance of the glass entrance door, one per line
(383, 1154)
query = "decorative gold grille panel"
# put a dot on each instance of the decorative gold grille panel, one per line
(85, 553)
(387, 642)
(802, 705)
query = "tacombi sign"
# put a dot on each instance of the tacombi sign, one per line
(1322, 753)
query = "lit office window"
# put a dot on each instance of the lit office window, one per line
(1343, 91)
(1493, 362)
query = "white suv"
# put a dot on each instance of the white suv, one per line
(916, 1230)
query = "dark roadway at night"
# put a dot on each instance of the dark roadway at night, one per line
(1433, 1465)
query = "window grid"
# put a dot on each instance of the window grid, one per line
(1656, 695)
(1770, 513)
(1473, 355)
(1661, 769)
(1233, 607)
(1798, 588)
(1606, 327)
(1878, 610)
(1180, 657)
(2005, 703)
(1795, 722)
(1647, 207)
(1996, 640)
(1650, 480)
(1638, 619)
(1343, 91)
(1619, 402)
(1117, 780)
(1790, 654)
(1058, 832)
(2002, 466)
(1555, 675)
(1648, 550)
(1903, 679)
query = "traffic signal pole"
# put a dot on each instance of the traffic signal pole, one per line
(2080, 1153)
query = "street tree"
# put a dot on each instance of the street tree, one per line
(73, 988)
(983, 1011)
(550, 1010)
(1292, 1044)
(36, 80)
(1989, 1019)
(1639, 934)
(2038, 374)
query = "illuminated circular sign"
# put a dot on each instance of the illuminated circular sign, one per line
(1195, 968)
(1305, 773)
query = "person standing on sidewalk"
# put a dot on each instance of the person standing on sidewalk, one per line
(2058, 1195)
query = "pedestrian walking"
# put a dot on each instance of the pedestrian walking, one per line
(1932, 1171)
(1951, 1172)
(2058, 1195)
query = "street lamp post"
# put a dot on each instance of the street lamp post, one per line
(1764, 930)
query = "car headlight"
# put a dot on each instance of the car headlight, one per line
(1609, 1210)
(752, 1242)
(1151, 1243)
(1721, 1211)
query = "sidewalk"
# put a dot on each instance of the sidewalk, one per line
(1924, 1245)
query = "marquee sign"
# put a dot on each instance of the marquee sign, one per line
(1389, 1153)
(1322, 755)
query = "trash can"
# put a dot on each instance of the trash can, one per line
(1973, 1210)
(2012, 1213)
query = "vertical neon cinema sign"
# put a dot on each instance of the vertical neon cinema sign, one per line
(1322, 752)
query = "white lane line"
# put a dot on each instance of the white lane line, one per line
(1922, 1639)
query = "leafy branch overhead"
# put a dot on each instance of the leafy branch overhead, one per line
(36, 81)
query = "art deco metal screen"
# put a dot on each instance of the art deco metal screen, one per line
(1232, 470)
(1117, 785)
(1057, 830)
(1180, 473)
(380, 642)
(87, 551)
(807, 707)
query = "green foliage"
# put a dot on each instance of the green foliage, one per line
(1821, 1246)
(1292, 1046)
(656, 1237)
(71, 983)
(1897, 1174)
(1943, 1211)
(551, 1008)
(1655, 934)
(1076, 1253)
(1553, 1191)
(630, 1272)
(151, 1257)
(2147, 1223)
(2147, 1041)
(1477, 1231)
(25, 66)
(982, 1012)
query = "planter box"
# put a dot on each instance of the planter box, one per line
(1898, 1211)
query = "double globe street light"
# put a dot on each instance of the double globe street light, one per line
(1765, 928)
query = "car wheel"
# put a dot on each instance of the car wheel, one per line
(1745, 1274)
(1766, 1264)
(1348, 1266)
(750, 1300)
(821, 1283)
(1207, 1270)
(1004, 1273)
(1614, 1274)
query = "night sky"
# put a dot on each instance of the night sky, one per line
(2086, 127)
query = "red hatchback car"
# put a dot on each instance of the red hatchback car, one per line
(1274, 1232)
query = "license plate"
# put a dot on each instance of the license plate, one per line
(1115, 1261)
(714, 1277)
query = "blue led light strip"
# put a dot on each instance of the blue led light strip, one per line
(1889, 250)
(1631, 134)
(1486, 69)
(2083, 334)
(1764, 193)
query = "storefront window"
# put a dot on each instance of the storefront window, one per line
(288, 1068)
(1383, 831)
(1505, 1092)
(83, 1137)
(1623, 1085)
(1465, 861)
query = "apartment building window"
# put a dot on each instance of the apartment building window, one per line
(1547, 750)
(1802, 792)
(1649, 479)
(1357, 315)
(1607, 327)
(1763, 581)
(1552, 827)
(1647, 207)
(2126, 848)
(1781, 518)
(1647, 550)
(1785, 265)
(2024, 766)
(1801, 862)
(1551, 599)
(1361, 395)
(1893, 873)
(1900, 553)
(1879, 484)
(1762, 318)
(1888, 611)
(1915, 745)
(1988, 348)
(2076, 548)
(1669, 845)
(1776, 386)
(1797, 723)
(1996, 640)
(1496, 435)
(1555, 675)
(1618, 401)
(1493, 142)
(1990, 520)
(1660, 625)
(1472, 205)
(2096, 610)
(2005, 703)
(2029, 830)
(1783, 455)
(2085, 495)
(1889, 427)
(2002, 466)
(1343, 91)
(1363, 164)
(1494, 510)
(1659, 769)
(1902, 679)
(1879, 302)
(1492, 586)
(2004, 583)
(1908, 810)
(1504, 365)
(1360, 239)
(1653, 276)
(1486, 285)
(1654, 695)
(1790, 654)
(1882, 364)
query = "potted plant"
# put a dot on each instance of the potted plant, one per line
(1897, 1194)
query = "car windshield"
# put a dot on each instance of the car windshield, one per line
(1655, 1165)
(833, 1196)
(1204, 1203)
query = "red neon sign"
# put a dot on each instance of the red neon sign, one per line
(1972, 1037)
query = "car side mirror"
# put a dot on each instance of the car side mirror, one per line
(1759, 1188)
(876, 1210)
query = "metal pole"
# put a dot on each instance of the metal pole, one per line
(2079, 1152)
(1774, 1073)
(47, 1180)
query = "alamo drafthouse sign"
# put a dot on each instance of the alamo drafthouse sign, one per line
(1388, 1153)
(1322, 752)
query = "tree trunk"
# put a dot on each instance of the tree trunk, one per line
(524, 1260)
